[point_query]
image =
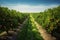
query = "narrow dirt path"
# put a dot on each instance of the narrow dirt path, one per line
(42, 31)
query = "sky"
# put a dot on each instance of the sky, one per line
(29, 5)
